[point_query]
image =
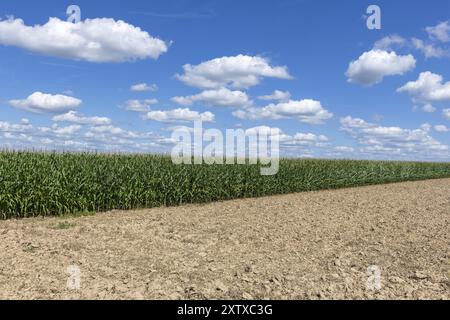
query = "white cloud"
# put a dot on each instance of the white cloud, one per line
(272, 133)
(46, 141)
(66, 130)
(39, 102)
(388, 43)
(74, 117)
(307, 111)
(277, 95)
(440, 32)
(441, 128)
(394, 141)
(372, 66)
(310, 137)
(283, 139)
(446, 113)
(180, 128)
(107, 138)
(179, 115)
(304, 140)
(261, 130)
(110, 130)
(428, 108)
(222, 97)
(93, 40)
(426, 127)
(429, 87)
(344, 149)
(18, 128)
(238, 72)
(429, 50)
(144, 87)
(286, 140)
(18, 137)
(139, 105)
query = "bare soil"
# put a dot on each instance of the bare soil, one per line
(316, 245)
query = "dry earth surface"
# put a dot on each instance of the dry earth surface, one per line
(315, 245)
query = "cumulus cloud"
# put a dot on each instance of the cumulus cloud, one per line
(310, 137)
(112, 131)
(277, 95)
(287, 140)
(393, 141)
(372, 66)
(77, 137)
(390, 42)
(74, 117)
(344, 149)
(260, 130)
(428, 108)
(65, 131)
(446, 113)
(179, 115)
(15, 128)
(39, 102)
(441, 128)
(139, 105)
(93, 40)
(180, 128)
(429, 87)
(12, 130)
(429, 50)
(306, 111)
(222, 97)
(238, 72)
(440, 32)
(144, 87)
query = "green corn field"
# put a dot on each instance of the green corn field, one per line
(49, 184)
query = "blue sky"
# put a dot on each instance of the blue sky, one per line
(65, 87)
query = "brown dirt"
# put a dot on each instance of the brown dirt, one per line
(300, 246)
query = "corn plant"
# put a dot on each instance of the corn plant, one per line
(46, 184)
